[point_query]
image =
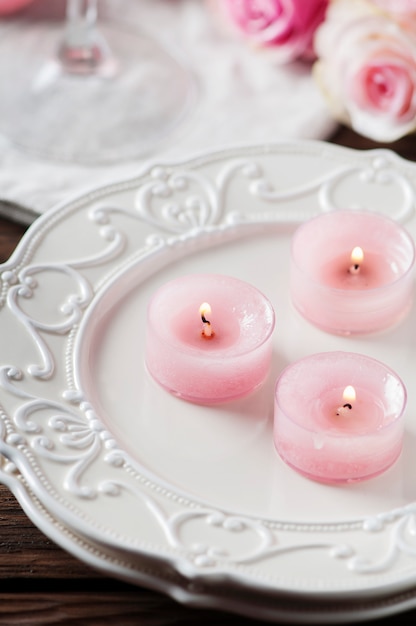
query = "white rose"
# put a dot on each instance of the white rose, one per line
(367, 69)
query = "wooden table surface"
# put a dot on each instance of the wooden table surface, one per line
(41, 584)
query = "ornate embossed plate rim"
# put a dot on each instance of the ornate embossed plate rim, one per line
(186, 592)
(190, 564)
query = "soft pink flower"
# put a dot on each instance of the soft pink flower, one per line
(367, 69)
(10, 6)
(286, 25)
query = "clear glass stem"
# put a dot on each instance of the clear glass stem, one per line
(83, 48)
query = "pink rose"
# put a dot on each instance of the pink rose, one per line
(367, 69)
(286, 25)
(10, 6)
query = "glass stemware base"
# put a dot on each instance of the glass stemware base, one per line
(136, 98)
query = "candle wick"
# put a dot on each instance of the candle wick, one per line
(207, 331)
(341, 411)
(354, 269)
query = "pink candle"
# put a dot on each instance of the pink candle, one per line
(338, 416)
(352, 272)
(208, 338)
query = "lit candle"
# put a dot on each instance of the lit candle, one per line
(211, 352)
(352, 272)
(333, 432)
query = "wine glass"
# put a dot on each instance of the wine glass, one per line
(86, 93)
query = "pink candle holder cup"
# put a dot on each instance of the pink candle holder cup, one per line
(343, 294)
(214, 353)
(330, 438)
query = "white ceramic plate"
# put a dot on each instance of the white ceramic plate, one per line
(130, 467)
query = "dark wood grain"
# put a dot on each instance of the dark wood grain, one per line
(10, 235)
(120, 608)
(41, 584)
(25, 552)
(405, 147)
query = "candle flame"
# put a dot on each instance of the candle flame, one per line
(348, 398)
(204, 311)
(349, 394)
(357, 255)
